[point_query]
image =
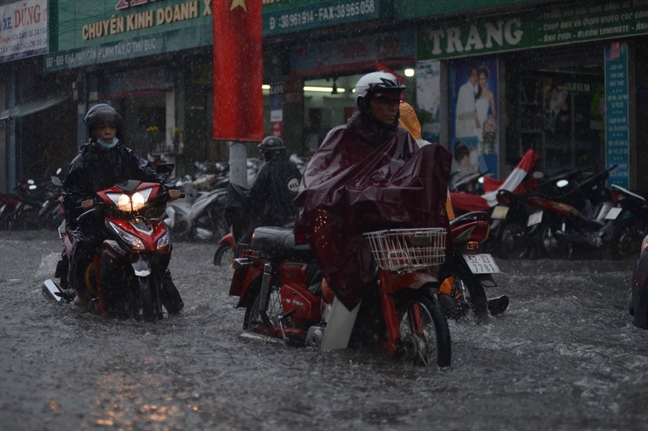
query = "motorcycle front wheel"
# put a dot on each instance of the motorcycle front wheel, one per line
(148, 307)
(511, 240)
(223, 255)
(627, 237)
(424, 332)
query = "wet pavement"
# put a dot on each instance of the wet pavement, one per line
(565, 356)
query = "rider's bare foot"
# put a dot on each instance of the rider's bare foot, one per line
(79, 301)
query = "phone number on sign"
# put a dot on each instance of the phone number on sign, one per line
(329, 13)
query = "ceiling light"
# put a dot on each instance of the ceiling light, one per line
(322, 89)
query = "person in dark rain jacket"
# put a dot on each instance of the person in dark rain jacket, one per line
(102, 163)
(270, 199)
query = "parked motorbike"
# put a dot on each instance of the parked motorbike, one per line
(199, 216)
(471, 183)
(557, 227)
(629, 215)
(125, 276)
(285, 297)
(467, 271)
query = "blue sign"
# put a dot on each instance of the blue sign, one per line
(617, 141)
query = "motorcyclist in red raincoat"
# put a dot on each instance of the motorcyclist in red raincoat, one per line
(368, 174)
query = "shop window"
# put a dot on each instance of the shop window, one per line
(560, 117)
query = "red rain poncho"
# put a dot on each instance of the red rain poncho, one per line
(350, 188)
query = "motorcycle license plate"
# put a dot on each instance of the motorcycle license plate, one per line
(535, 218)
(499, 212)
(481, 264)
(613, 214)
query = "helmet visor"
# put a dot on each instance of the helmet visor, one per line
(395, 95)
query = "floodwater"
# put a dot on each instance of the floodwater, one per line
(564, 356)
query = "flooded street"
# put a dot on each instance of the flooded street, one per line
(564, 356)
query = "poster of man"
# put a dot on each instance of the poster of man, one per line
(428, 97)
(473, 104)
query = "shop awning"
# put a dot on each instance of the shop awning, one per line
(33, 107)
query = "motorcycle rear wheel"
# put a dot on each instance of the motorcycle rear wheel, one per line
(424, 332)
(253, 321)
(467, 289)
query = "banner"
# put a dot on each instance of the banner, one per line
(238, 71)
(617, 139)
(473, 113)
(23, 29)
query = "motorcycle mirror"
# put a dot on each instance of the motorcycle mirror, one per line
(562, 183)
(538, 175)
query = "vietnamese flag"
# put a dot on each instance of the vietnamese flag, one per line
(238, 71)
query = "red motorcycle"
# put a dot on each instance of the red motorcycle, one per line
(125, 277)
(286, 298)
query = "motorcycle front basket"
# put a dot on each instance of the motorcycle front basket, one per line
(407, 249)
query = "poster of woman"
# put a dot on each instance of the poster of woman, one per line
(473, 116)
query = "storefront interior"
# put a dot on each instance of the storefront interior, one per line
(555, 103)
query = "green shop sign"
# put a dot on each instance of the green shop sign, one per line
(422, 8)
(577, 23)
(281, 17)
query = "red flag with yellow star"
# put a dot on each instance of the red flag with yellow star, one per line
(238, 71)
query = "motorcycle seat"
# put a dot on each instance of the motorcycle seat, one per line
(279, 243)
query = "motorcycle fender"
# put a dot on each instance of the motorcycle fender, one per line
(409, 280)
(486, 280)
(141, 267)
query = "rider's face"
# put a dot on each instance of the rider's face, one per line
(106, 132)
(385, 109)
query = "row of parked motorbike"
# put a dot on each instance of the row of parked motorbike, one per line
(33, 205)
(572, 214)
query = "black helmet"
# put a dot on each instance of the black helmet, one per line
(101, 114)
(271, 145)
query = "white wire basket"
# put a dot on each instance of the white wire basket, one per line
(407, 249)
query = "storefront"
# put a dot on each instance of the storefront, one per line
(140, 58)
(563, 81)
(31, 125)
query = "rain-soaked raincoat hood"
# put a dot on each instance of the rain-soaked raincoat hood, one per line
(351, 187)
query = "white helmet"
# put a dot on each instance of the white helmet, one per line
(376, 81)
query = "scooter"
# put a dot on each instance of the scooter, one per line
(125, 277)
(285, 297)
(199, 216)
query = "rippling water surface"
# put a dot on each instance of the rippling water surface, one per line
(564, 356)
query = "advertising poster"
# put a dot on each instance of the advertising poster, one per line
(23, 29)
(473, 116)
(428, 98)
(616, 112)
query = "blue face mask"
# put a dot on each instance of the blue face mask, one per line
(108, 146)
